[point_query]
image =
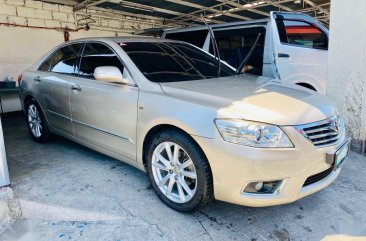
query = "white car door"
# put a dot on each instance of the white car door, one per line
(300, 49)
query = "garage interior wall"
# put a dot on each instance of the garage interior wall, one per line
(21, 46)
(347, 66)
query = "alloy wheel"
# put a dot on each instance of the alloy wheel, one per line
(174, 172)
(34, 121)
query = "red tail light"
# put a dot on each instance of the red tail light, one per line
(19, 79)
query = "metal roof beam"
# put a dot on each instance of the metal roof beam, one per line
(279, 5)
(240, 7)
(211, 9)
(199, 11)
(91, 3)
(312, 4)
(63, 2)
(88, 3)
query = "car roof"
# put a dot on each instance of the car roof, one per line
(124, 39)
(219, 25)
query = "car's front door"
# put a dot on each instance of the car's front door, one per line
(104, 113)
(55, 79)
(300, 49)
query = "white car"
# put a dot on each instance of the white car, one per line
(292, 47)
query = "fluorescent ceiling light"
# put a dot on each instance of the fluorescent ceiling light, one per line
(233, 9)
(137, 8)
(249, 5)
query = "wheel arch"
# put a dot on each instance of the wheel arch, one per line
(307, 85)
(160, 128)
(29, 97)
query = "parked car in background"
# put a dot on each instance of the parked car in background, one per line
(163, 107)
(293, 47)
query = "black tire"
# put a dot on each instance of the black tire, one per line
(45, 134)
(204, 188)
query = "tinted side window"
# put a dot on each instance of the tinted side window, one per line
(235, 44)
(96, 55)
(197, 37)
(172, 61)
(301, 34)
(64, 60)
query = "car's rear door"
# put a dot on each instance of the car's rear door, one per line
(300, 47)
(103, 113)
(53, 80)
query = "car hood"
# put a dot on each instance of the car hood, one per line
(255, 98)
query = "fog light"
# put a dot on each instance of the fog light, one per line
(262, 187)
(258, 186)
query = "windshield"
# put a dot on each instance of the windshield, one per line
(172, 62)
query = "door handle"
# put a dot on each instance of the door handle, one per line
(282, 55)
(76, 87)
(37, 79)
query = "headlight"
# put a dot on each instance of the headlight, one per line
(250, 133)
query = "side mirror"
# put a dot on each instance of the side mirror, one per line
(109, 74)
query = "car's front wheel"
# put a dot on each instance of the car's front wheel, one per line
(36, 122)
(179, 171)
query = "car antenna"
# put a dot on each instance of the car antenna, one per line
(245, 60)
(214, 45)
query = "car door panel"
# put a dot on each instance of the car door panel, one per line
(104, 114)
(297, 62)
(54, 92)
(54, 81)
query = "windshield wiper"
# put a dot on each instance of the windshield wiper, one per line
(214, 45)
(245, 60)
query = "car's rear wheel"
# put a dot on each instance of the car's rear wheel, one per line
(179, 171)
(36, 122)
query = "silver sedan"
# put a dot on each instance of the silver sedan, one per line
(199, 129)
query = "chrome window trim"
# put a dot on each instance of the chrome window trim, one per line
(103, 131)
(93, 127)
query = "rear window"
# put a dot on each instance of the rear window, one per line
(301, 34)
(171, 62)
(63, 61)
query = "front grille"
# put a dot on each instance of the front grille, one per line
(325, 132)
(317, 177)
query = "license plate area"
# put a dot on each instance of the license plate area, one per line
(338, 158)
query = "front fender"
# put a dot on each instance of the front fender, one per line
(161, 109)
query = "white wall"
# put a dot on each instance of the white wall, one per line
(40, 27)
(347, 65)
(21, 46)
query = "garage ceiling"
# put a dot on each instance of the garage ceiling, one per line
(187, 12)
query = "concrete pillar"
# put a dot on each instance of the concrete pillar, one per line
(347, 66)
(4, 173)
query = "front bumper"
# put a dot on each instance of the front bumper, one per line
(234, 166)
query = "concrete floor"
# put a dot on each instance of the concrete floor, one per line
(64, 191)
